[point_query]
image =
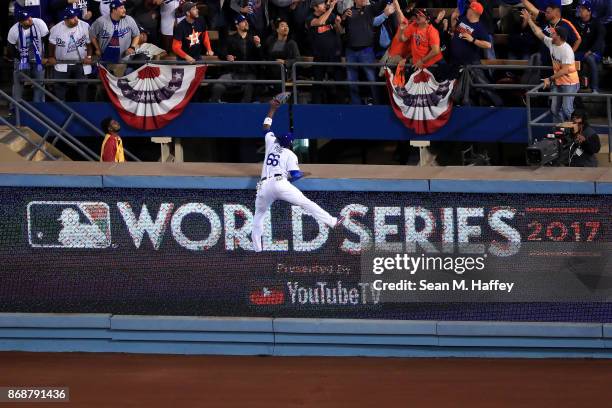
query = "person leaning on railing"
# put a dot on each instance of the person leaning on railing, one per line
(280, 48)
(424, 40)
(26, 36)
(241, 46)
(115, 36)
(565, 77)
(190, 35)
(69, 41)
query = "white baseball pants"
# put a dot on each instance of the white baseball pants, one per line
(271, 190)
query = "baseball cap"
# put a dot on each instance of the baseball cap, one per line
(477, 7)
(586, 4)
(188, 6)
(280, 20)
(68, 13)
(239, 19)
(22, 15)
(421, 12)
(116, 4)
(314, 3)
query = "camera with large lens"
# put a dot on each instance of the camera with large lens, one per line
(554, 148)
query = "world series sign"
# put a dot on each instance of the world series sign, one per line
(396, 256)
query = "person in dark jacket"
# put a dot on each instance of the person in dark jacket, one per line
(324, 27)
(241, 46)
(358, 22)
(280, 48)
(592, 46)
(586, 142)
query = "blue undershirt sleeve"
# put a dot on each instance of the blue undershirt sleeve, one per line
(295, 175)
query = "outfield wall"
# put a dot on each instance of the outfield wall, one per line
(188, 254)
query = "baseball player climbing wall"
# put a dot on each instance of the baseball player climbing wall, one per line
(189, 252)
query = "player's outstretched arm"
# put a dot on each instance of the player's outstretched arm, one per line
(268, 120)
(277, 101)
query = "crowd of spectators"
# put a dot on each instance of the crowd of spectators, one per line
(356, 31)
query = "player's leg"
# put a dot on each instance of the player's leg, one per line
(288, 192)
(263, 201)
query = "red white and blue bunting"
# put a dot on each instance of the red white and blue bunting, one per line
(421, 103)
(153, 95)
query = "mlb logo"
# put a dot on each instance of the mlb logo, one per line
(68, 224)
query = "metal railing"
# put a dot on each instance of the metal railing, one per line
(18, 131)
(281, 81)
(61, 132)
(536, 92)
(298, 82)
(532, 91)
(503, 67)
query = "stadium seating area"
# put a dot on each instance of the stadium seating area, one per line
(513, 45)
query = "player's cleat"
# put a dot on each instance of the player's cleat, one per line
(282, 98)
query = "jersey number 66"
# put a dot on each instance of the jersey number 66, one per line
(273, 159)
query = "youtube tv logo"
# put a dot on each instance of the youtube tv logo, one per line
(265, 296)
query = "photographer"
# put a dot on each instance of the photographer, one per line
(586, 142)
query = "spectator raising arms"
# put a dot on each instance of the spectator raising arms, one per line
(424, 40)
(565, 77)
(324, 28)
(256, 12)
(548, 21)
(359, 24)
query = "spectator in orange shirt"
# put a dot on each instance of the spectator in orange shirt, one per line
(424, 40)
(112, 146)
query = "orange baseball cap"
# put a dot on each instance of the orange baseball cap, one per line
(477, 7)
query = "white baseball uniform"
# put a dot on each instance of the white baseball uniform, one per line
(278, 162)
(168, 10)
